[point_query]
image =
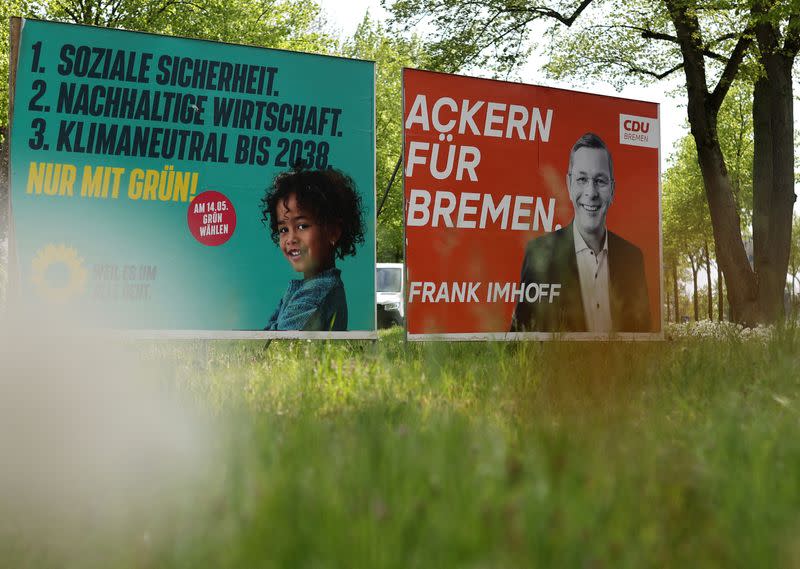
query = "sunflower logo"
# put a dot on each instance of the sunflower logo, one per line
(58, 272)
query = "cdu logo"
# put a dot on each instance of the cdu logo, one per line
(636, 126)
(638, 131)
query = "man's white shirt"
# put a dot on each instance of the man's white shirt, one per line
(593, 274)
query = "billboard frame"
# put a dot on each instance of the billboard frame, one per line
(14, 277)
(533, 336)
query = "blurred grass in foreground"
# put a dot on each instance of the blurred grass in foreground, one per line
(387, 454)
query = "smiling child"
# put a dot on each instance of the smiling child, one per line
(315, 217)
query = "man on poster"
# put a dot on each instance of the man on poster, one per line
(601, 275)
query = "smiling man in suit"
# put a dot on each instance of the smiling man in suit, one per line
(601, 275)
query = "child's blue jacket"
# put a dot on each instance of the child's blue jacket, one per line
(314, 304)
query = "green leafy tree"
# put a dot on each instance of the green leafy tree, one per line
(289, 24)
(390, 53)
(672, 257)
(489, 34)
(8, 9)
(735, 130)
(794, 261)
(686, 218)
(711, 44)
(684, 199)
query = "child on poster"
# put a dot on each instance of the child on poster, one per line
(315, 217)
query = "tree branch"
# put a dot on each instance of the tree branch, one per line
(568, 20)
(690, 40)
(765, 30)
(731, 68)
(515, 28)
(543, 11)
(650, 34)
(69, 12)
(791, 45)
(169, 4)
(653, 35)
(98, 14)
(657, 75)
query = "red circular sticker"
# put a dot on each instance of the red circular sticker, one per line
(211, 218)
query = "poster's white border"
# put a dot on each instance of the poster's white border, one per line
(403, 190)
(233, 335)
(661, 279)
(375, 198)
(535, 336)
(538, 336)
(13, 274)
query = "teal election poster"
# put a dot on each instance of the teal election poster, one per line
(169, 184)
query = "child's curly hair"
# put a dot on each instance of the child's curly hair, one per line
(329, 195)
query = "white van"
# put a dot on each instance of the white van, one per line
(389, 288)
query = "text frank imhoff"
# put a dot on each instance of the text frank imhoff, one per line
(475, 291)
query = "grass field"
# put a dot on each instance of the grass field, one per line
(386, 454)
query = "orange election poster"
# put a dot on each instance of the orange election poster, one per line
(529, 211)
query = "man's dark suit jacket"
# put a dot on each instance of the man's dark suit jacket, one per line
(551, 259)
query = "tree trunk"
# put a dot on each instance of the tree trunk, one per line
(731, 312)
(702, 110)
(739, 276)
(669, 307)
(695, 270)
(720, 299)
(773, 176)
(709, 286)
(794, 296)
(675, 290)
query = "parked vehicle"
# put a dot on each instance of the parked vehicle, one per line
(389, 288)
